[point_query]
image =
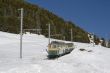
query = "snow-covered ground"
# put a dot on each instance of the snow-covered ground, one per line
(91, 60)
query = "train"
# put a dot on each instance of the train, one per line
(56, 48)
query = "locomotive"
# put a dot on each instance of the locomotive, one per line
(56, 48)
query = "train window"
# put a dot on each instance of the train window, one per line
(53, 46)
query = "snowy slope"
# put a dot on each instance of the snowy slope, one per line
(35, 57)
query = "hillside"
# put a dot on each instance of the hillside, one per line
(36, 17)
(92, 60)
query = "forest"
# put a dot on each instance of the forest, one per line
(38, 18)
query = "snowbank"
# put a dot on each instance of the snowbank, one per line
(91, 60)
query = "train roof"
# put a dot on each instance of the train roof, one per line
(61, 43)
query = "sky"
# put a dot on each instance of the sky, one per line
(91, 15)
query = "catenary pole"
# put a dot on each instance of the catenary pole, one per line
(71, 35)
(21, 31)
(49, 32)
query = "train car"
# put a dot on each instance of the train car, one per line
(56, 49)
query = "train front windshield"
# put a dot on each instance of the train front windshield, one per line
(53, 46)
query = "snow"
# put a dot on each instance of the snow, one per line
(92, 60)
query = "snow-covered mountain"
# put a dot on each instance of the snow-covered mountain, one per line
(90, 60)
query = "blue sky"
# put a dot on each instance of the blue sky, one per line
(91, 15)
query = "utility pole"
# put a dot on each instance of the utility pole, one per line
(21, 31)
(49, 32)
(93, 40)
(71, 35)
(38, 22)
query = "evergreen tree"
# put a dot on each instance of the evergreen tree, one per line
(37, 17)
